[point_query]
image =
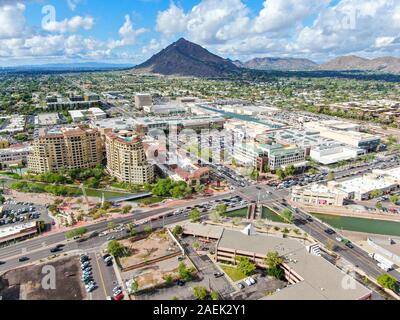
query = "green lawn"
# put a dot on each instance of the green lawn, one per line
(150, 200)
(233, 273)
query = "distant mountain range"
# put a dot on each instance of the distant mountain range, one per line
(69, 67)
(384, 64)
(184, 58)
(286, 64)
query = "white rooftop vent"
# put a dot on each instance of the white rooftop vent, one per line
(249, 230)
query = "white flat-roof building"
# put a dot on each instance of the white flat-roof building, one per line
(164, 109)
(91, 113)
(360, 188)
(344, 133)
(117, 124)
(16, 232)
(332, 153)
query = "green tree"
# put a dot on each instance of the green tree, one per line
(245, 266)
(375, 194)
(331, 176)
(134, 286)
(200, 293)
(214, 296)
(222, 209)
(131, 229)
(148, 229)
(195, 215)
(273, 259)
(287, 215)
(214, 216)
(126, 209)
(281, 174)
(184, 272)
(178, 230)
(388, 281)
(379, 206)
(110, 226)
(75, 233)
(200, 188)
(116, 249)
(394, 199)
(290, 170)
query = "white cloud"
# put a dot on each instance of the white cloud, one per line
(70, 25)
(12, 19)
(127, 33)
(278, 15)
(171, 21)
(72, 4)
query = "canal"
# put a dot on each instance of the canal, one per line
(391, 228)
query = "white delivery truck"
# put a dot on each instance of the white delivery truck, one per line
(383, 263)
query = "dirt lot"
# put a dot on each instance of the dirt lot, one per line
(155, 274)
(157, 245)
(26, 283)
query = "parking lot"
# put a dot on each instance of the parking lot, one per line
(18, 212)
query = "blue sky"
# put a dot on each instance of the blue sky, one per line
(130, 31)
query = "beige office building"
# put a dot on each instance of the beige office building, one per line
(126, 158)
(143, 100)
(69, 148)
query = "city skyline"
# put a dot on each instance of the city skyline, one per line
(73, 31)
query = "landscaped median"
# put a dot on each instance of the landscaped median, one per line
(233, 273)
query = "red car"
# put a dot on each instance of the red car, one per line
(119, 297)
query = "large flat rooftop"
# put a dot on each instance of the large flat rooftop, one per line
(321, 279)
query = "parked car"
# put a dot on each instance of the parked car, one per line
(218, 274)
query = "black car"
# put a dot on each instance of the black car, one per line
(349, 245)
(309, 219)
(180, 283)
(2, 262)
(23, 259)
(54, 250)
(330, 231)
(59, 246)
(218, 274)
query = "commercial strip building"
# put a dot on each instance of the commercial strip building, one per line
(12, 124)
(358, 188)
(91, 113)
(14, 156)
(126, 158)
(18, 232)
(68, 148)
(317, 195)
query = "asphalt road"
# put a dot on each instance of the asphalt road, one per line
(39, 248)
(356, 256)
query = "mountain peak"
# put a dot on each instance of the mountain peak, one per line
(186, 58)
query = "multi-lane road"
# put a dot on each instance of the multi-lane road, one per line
(39, 248)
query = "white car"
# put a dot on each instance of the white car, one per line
(339, 239)
(248, 282)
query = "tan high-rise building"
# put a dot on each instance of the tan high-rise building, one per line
(69, 148)
(126, 158)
